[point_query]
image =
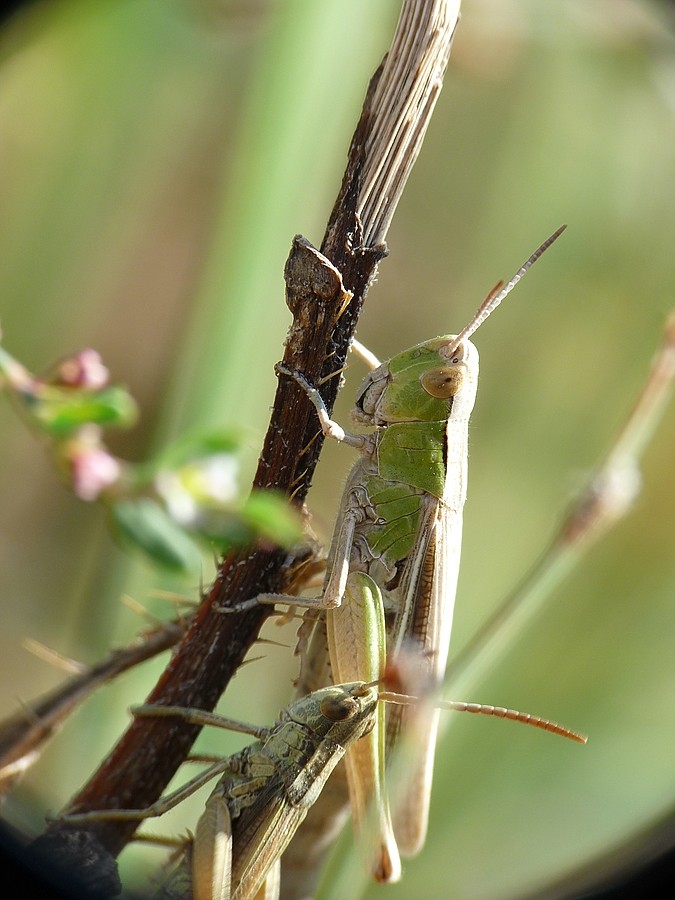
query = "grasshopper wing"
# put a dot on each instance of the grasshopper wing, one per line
(422, 628)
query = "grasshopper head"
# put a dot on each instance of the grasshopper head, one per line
(424, 384)
(438, 378)
(342, 712)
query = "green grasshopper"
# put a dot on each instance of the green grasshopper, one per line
(397, 542)
(264, 794)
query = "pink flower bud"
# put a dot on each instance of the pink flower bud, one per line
(83, 370)
(93, 470)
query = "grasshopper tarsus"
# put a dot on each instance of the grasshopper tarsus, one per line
(252, 603)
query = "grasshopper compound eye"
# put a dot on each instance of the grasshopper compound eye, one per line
(337, 709)
(442, 382)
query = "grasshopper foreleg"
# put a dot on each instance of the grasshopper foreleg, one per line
(329, 427)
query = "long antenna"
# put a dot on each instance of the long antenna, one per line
(497, 294)
(483, 709)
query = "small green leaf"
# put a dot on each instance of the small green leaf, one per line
(269, 515)
(145, 525)
(199, 445)
(60, 411)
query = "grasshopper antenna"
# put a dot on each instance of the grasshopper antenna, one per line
(497, 294)
(482, 709)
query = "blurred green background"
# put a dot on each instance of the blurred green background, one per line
(156, 161)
